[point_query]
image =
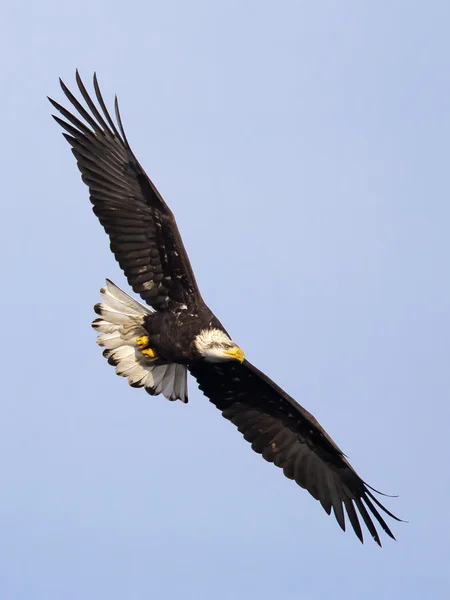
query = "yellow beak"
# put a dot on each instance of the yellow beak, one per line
(236, 354)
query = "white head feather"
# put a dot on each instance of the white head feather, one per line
(214, 345)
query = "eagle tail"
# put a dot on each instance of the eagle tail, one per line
(120, 324)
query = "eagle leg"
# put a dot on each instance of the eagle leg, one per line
(143, 343)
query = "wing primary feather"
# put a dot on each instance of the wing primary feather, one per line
(381, 493)
(91, 104)
(80, 108)
(69, 138)
(104, 109)
(119, 121)
(69, 116)
(383, 508)
(367, 520)
(378, 517)
(353, 517)
(72, 130)
(116, 151)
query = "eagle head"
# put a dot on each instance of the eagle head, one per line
(214, 345)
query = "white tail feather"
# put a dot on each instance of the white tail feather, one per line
(122, 299)
(121, 322)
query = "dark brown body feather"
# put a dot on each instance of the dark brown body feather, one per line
(172, 334)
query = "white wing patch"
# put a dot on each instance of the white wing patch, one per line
(120, 323)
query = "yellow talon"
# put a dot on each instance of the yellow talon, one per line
(149, 353)
(142, 342)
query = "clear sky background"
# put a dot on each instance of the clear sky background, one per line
(304, 149)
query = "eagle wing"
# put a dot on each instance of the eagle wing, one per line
(143, 232)
(290, 437)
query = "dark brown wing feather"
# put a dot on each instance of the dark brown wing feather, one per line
(143, 233)
(290, 437)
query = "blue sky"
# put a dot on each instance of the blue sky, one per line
(303, 147)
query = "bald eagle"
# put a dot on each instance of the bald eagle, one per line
(155, 344)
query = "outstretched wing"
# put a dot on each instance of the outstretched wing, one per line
(290, 437)
(143, 233)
